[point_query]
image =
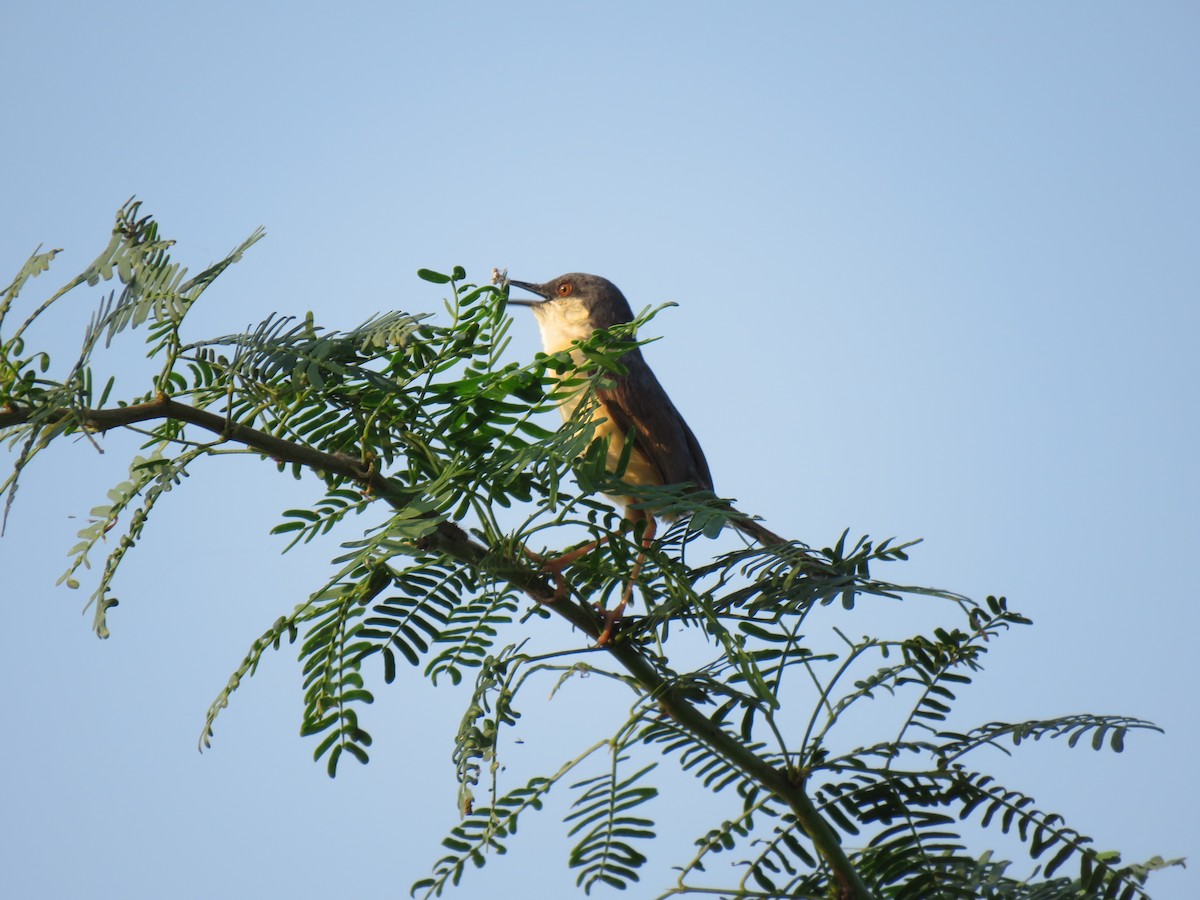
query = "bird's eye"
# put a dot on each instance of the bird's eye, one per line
(564, 289)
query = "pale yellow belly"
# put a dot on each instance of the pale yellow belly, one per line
(639, 469)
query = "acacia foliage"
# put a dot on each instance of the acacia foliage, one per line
(419, 427)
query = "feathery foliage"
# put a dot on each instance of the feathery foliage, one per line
(441, 485)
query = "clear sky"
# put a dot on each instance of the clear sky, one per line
(937, 268)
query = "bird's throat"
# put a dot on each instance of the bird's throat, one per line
(562, 324)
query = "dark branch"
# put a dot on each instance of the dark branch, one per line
(448, 538)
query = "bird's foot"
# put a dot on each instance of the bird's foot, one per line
(555, 571)
(612, 617)
(554, 566)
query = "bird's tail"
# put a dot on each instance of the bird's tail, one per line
(755, 531)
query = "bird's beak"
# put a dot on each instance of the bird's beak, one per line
(538, 289)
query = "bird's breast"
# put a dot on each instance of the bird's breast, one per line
(561, 325)
(639, 469)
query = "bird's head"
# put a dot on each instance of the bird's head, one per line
(573, 306)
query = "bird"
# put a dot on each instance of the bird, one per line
(633, 403)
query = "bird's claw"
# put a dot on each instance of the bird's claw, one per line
(611, 621)
(612, 617)
(553, 568)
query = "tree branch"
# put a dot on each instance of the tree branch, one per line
(455, 542)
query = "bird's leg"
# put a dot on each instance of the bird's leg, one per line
(555, 566)
(613, 617)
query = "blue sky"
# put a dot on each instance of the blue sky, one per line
(937, 270)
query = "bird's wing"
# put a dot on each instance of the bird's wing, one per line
(636, 400)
